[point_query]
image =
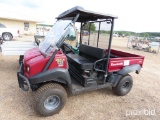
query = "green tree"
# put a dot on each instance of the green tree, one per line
(86, 27)
(120, 32)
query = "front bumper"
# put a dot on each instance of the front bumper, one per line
(22, 80)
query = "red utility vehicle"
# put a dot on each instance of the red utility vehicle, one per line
(54, 66)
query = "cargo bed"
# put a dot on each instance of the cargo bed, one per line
(119, 59)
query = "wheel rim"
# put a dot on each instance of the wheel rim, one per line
(7, 37)
(126, 85)
(52, 102)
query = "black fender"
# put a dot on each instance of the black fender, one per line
(58, 74)
(131, 68)
(124, 71)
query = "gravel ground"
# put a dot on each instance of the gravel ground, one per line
(97, 105)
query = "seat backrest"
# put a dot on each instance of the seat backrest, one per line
(96, 53)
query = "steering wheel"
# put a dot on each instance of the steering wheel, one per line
(69, 47)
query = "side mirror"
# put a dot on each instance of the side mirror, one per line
(72, 35)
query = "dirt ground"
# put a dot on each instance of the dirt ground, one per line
(97, 105)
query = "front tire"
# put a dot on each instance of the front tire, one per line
(50, 99)
(124, 85)
(7, 36)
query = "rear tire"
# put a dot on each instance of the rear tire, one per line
(7, 36)
(50, 99)
(124, 85)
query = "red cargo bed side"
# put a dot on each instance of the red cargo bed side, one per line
(122, 59)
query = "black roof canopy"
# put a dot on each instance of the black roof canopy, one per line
(85, 15)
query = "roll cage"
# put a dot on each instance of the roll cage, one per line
(91, 17)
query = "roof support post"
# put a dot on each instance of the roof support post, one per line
(98, 33)
(109, 46)
(89, 32)
(81, 34)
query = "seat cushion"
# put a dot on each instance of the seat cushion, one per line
(80, 61)
(91, 52)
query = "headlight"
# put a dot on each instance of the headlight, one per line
(28, 69)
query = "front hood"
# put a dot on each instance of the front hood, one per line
(32, 53)
(35, 61)
(10, 29)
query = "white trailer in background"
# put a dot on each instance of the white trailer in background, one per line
(16, 47)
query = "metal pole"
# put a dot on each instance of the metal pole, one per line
(89, 33)
(98, 33)
(109, 46)
(81, 34)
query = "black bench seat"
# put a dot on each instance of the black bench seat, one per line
(80, 62)
(86, 58)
